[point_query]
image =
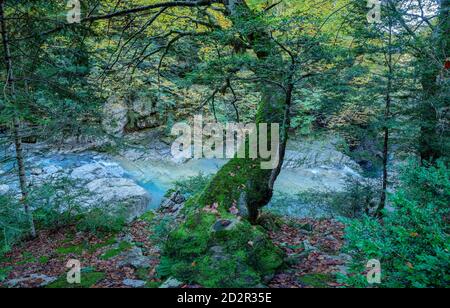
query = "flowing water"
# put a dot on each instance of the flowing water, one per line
(158, 176)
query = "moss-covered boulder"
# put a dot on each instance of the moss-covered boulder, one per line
(215, 248)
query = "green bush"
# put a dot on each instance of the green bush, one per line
(411, 241)
(359, 196)
(55, 205)
(100, 222)
(13, 222)
(193, 185)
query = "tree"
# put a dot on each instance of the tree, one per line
(429, 43)
(16, 123)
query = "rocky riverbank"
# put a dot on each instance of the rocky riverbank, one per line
(137, 173)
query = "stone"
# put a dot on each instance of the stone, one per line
(134, 258)
(242, 205)
(51, 170)
(178, 198)
(134, 283)
(171, 283)
(317, 153)
(224, 225)
(118, 192)
(296, 258)
(218, 253)
(4, 189)
(134, 113)
(89, 172)
(42, 280)
(308, 247)
(174, 203)
(115, 116)
(36, 171)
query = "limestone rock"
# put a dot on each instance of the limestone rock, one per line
(134, 283)
(119, 192)
(224, 225)
(41, 280)
(134, 258)
(36, 171)
(173, 204)
(4, 189)
(171, 283)
(115, 116)
(89, 172)
(308, 246)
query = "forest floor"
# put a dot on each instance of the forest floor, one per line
(131, 258)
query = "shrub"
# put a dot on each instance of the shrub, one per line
(358, 196)
(193, 185)
(411, 242)
(13, 222)
(55, 205)
(100, 222)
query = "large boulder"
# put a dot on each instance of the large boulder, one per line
(119, 192)
(4, 189)
(133, 113)
(317, 154)
(115, 116)
(143, 113)
(89, 172)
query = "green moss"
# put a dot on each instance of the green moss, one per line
(242, 255)
(69, 238)
(4, 272)
(142, 273)
(123, 246)
(152, 284)
(43, 259)
(93, 248)
(246, 254)
(76, 250)
(236, 177)
(27, 258)
(148, 217)
(169, 193)
(88, 280)
(317, 280)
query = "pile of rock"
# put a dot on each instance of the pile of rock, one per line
(173, 204)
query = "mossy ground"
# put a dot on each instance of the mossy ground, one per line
(123, 246)
(87, 280)
(317, 280)
(148, 217)
(246, 255)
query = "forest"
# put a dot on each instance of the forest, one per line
(224, 144)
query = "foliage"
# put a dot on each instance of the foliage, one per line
(88, 280)
(412, 241)
(193, 185)
(358, 197)
(13, 222)
(100, 221)
(54, 206)
(122, 246)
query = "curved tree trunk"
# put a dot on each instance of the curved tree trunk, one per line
(243, 180)
(212, 246)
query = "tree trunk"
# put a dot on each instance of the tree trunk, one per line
(387, 117)
(16, 127)
(243, 179)
(212, 246)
